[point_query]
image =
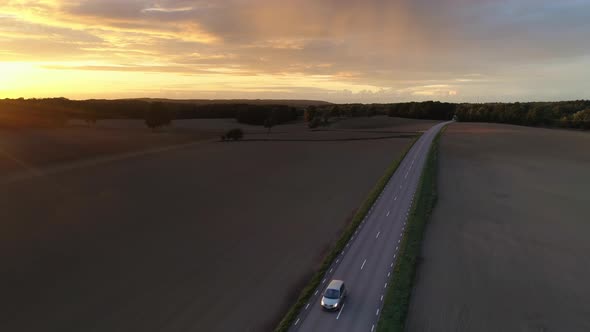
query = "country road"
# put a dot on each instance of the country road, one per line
(367, 261)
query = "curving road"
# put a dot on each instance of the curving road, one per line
(368, 259)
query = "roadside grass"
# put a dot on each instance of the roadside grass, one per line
(360, 214)
(397, 299)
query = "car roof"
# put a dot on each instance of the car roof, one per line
(335, 284)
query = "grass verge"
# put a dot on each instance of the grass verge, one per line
(397, 299)
(307, 292)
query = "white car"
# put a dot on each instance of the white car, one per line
(334, 295)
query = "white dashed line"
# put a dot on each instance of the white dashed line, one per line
(388, 274)
(338, 260)
(365, 261)
(372, 327)
(297, 321)
(381, 297)
(396, 248)
(393, 257)
(323, 281)
(391, 263)
(316, 293)
(387, 214)
(331, 270)
(395, 199)
(341, 309)
(377, 313)
(377, 235)
(385, 286)
(307, 306)
(398, 241)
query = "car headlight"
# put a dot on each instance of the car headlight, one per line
(336, 305)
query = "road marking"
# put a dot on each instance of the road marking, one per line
(307, 306)
(405, 177)
(363, 264)
(323, 281)
(392, 262)
(341, 309)
(388, 274)
(381, 297)
(385, 285)
(396, 248)
(297, 321)
(395, 199)
(398, 241)
(377, 234)
(372, 327)
(377, 313)
(387, 214)
(316, 293)
(352, 238)
(331, 270)
(393, 257)
(338, 260)
(347, 244)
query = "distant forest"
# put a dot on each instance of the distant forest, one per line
(156, 112)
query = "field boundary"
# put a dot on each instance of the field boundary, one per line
(397, 299)
(360, 214)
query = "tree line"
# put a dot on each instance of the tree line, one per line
(52, 112)
(57, 111)
(565, 114)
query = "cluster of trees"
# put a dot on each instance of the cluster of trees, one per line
(235, 134)
(265, 115)
(432, 110)
(158, 116)
(567, 114)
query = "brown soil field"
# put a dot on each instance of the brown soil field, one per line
(507, 246)
(34, 148)
(208, 237)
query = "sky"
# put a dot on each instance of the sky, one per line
(334, 50)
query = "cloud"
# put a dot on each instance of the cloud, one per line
(392, 46)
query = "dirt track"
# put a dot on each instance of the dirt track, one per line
(216, 237)
(507, 246)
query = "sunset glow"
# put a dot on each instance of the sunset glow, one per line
(343, 51)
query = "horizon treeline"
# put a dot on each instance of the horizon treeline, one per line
(57, 111)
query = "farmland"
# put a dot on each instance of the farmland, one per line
(506, 247)
(208, 236)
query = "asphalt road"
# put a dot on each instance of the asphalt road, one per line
(367, 261)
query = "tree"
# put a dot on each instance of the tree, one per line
(157, 116)
(581, 119)
(310, 113)
(270, 122)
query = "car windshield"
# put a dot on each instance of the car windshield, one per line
(332, 294)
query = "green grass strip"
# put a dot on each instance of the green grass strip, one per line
(360, 214)
(397, 299)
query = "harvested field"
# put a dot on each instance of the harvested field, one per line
(33, 148)
(211, 237)
(506, 248)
